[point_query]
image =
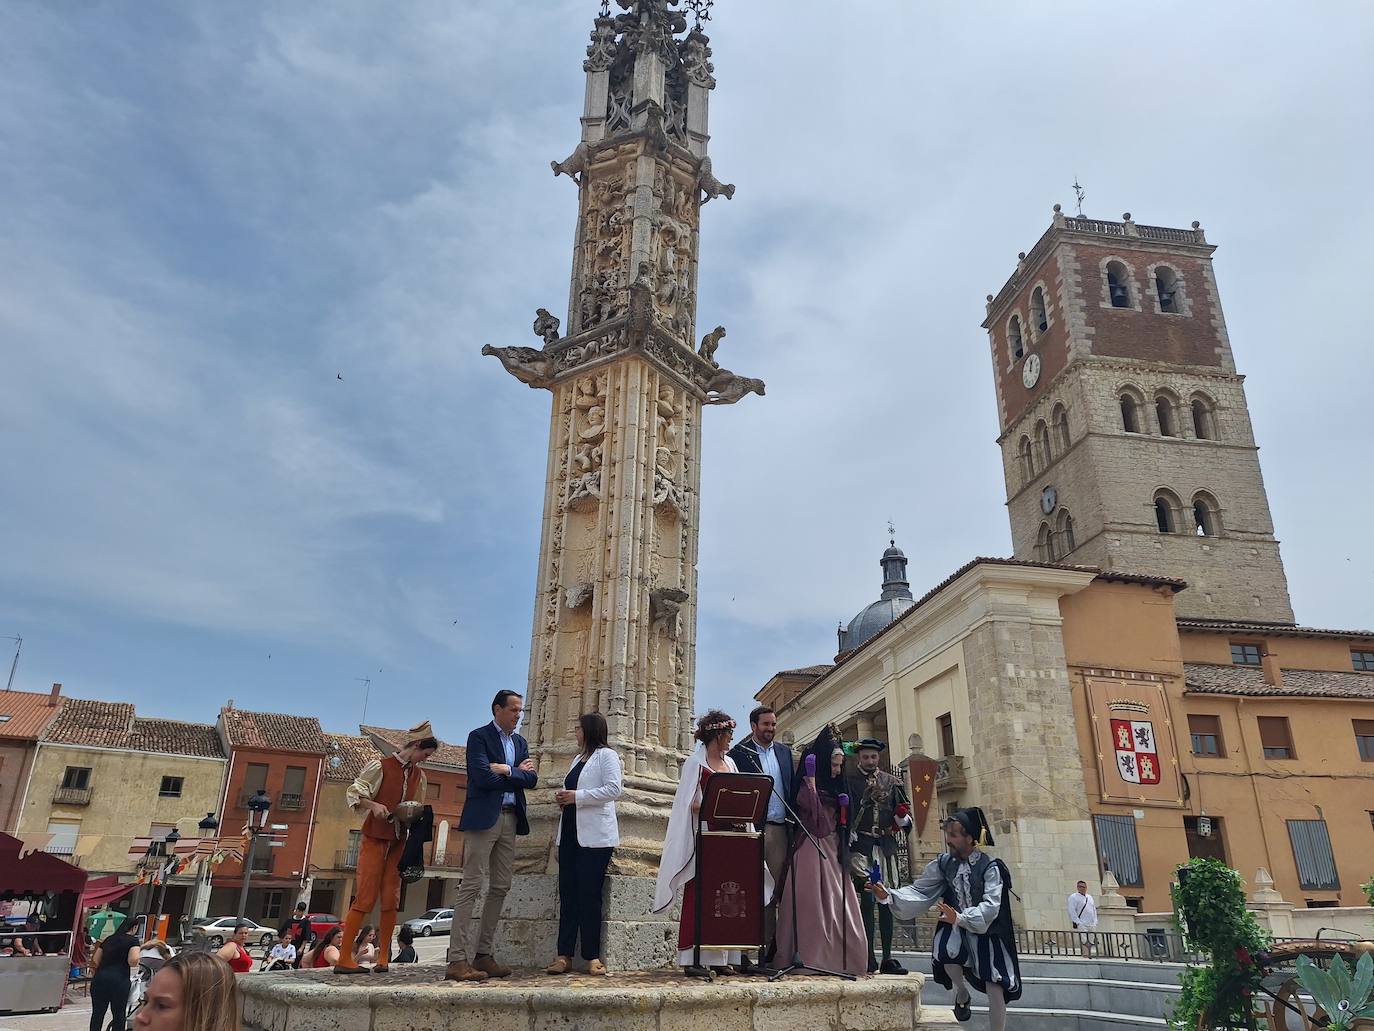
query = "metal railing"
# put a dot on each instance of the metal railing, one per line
(285, 801)
(346, 859)
(72, 796)
(1159, 946)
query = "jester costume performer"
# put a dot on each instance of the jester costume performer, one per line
(880, 812)
(382, 785)
(975, 942)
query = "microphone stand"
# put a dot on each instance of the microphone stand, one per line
(796, 965)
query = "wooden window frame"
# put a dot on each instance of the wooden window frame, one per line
(1217, 737)
(1287, 746)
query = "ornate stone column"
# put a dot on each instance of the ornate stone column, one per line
(615, 616)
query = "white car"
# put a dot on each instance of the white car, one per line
(218, 930)
(427, 923)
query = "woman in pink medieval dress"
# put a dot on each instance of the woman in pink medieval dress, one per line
(676, 869)
(821, 924)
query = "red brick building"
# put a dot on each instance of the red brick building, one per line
(24, 715)
(283, 755)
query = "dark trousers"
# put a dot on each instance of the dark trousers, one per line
(867, 904)
(109, 990)
(581, 876)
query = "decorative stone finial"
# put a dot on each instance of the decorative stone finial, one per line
(1197, 225)
(1126, 217)
(1110, 885)
(1264, 888)
(1057, 209)
(989, 298)
(1020, 255)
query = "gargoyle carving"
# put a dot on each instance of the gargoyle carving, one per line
(709, 343)
(579, 594)
(710, 185)
(725, 388)
(529, 365)
(664, 603)
(574, 166)
(546, 325)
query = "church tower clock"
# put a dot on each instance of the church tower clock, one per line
(1126, 438)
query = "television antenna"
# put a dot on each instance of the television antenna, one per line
(18, 643)
(367, 690)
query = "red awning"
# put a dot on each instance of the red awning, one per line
(103, 890)
(36, 873)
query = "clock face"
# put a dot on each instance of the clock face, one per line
(1048, 499)
(1030, 370)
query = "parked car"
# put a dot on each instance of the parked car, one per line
(427, 923)
(322, 923)
(217, 930)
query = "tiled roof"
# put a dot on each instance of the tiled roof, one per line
(273, 730)
(352, 753)
(85, 721)
(28, 714)
(818, 670)
(176, 738)
(447, 755)
(1234, 626)
(1205, 678)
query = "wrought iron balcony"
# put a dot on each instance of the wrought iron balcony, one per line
(950, 775)
(346, 859)
(72, 796)
(290, 801)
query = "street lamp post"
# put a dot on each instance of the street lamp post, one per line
(257, 820)
(169, 860)
(201, 905)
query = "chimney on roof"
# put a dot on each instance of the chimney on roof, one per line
(229, 704)
(54, 696)
(1269, 662)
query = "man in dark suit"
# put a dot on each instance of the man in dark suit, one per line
(759, 753)
(499, 771)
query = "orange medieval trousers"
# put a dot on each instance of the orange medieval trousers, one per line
(379, 879)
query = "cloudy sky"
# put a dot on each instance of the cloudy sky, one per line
(212, 211)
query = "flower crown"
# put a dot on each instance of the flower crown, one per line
(725, 724)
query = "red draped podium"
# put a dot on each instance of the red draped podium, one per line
(729, 896)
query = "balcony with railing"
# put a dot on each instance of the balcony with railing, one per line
(64, 851)
(72, 796)
(346, 859)
(950, 774)
(290, 802)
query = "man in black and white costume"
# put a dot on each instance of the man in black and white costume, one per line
(975, 943)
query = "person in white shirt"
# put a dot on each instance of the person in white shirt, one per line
(282, 956)
(1083, 916)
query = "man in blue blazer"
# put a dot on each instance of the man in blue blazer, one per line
(499, 771)
(759, 753)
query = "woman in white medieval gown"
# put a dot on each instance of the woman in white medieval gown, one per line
(676, 868)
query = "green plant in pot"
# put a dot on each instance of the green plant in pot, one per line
(1345, 999)
(1210, 913)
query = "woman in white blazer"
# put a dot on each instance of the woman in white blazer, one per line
(587, 834)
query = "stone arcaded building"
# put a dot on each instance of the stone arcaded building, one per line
(1126, 438)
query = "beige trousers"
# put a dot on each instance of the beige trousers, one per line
(489, 856)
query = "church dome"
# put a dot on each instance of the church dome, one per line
(895, 600)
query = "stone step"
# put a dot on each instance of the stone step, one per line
(1032, 1018)
(1128, 998)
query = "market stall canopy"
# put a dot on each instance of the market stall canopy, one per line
(37, 873)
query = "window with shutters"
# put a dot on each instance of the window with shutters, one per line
(1364, 739)
(946, 723)
(1312, 851)
(432, 792)
(78, 777)
(1205, 732)
(1119, 848)
(1275, 737)
(292, 789)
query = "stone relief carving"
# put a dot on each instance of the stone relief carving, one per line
(696, 59)
(546, 326)
(667, 484)
(709, 343)
(601, 50)
(581, 354)
(588, 438)
(725, 388)
(605, 244)
(579, 594)
(529, 365)
(710, 185)
(664, 603)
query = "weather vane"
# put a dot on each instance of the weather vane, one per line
(701, 10)
(891, 531)
(1079, 194)
(605, 8)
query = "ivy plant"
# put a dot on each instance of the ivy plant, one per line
(1210, 913)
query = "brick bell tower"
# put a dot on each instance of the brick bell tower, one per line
(1125, 434)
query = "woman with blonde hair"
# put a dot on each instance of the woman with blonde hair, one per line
(194, 991)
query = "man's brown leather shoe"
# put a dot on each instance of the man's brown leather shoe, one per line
(463, 971)
(489, 966)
